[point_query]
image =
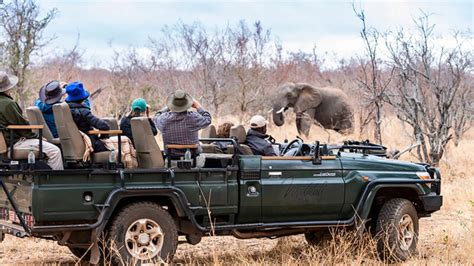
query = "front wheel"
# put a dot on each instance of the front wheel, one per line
(143, 233)
(397, 230)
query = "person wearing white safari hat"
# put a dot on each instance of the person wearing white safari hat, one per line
(256, 137)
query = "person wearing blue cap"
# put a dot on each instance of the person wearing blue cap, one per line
(139, 109)
(82, 115)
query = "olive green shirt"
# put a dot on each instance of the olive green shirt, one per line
(11, 114)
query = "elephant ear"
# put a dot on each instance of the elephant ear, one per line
(309, 97)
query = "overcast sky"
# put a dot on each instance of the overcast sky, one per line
(330, 25)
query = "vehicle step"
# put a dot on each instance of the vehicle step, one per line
(12, 229)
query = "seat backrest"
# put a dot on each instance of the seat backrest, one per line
(209, 132)
(35, 117)
(112, 122)
(239, 133)
(148, 151)
(69, 135)
(3, 145)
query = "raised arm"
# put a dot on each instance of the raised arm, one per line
(159, 117)
(201, 118)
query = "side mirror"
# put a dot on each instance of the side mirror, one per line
(317, 154)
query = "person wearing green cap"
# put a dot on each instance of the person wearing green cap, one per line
(139, 109)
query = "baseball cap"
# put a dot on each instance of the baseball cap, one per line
(258, 121)
(139, 104)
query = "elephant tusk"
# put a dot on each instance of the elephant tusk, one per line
(269, 111)
(281, 110)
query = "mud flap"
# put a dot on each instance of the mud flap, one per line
(95, 253)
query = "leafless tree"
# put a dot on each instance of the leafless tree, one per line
(248, 50)
(132, 77)
(209, 63)
(23, 31)
(429, 80)
(372, 81)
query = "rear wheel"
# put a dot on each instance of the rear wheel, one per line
(397, 230)
(143, 233)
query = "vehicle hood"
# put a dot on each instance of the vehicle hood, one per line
(351, 161)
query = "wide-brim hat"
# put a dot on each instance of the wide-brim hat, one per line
(51, 92)
(76, 92)
(7, 81)
(179, 101)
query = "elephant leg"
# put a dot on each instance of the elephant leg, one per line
(304, 120)
(344, 125)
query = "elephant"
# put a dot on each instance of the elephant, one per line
(327, 106)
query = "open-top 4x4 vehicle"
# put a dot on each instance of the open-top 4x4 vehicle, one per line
(143, 212)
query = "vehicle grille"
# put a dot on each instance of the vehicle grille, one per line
(251, 175)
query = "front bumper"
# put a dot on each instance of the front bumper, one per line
(431, 202)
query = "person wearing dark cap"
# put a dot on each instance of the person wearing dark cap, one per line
(139, 109)
(177, 124)
(82, 115)
(11, 114)
(50, 94)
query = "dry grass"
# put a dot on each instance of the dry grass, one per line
(445, 238)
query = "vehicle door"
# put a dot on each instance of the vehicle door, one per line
(250, 190)
(295, 189)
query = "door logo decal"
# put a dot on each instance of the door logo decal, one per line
(306, 194)
(323, 174)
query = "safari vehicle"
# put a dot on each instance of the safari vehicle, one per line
(144, 212)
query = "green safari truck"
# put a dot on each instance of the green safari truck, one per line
(306, 190)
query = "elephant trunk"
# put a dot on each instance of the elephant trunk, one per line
(278, 117)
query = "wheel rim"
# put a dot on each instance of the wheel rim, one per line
(144, 239)
(406, 232)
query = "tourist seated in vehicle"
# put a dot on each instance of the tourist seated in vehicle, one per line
(223, 131)
(50, 94)
(11, 114)
(178, 125)
(257, 137)
(82, 115)
(139, 109)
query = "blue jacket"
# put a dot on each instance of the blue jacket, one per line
(47, 110)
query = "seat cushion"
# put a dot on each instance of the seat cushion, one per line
(100, 157)
(246, 150)
(22, 154)
(210, 148)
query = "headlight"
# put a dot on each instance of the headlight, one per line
(423, 175)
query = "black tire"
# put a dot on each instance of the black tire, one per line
(153, 215)
(316, 238)
(389, 232)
